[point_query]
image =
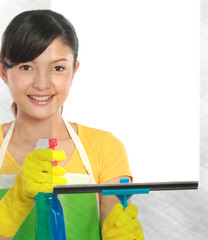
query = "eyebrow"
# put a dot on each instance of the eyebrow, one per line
(55, 60)
(61, 59)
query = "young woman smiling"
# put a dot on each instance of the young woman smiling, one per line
(38, 63)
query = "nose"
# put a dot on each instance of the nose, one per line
(42, 81)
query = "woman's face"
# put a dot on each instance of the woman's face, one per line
(40, 87)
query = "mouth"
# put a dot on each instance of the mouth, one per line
(38, 99)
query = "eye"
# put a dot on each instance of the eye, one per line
(26, 68)
(58, 69)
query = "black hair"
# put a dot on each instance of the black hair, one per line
(31, 32)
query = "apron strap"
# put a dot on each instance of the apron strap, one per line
(80, 148)
(7, 180)
(83, 156)
(5, 143)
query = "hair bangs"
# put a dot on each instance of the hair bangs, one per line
(29, 40)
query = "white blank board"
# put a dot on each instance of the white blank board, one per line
(139, 79)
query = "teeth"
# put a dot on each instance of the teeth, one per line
(41, 98)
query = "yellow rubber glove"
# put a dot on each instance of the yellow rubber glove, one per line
(122, 224)
(36, 175)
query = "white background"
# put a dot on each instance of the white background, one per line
(139, 79)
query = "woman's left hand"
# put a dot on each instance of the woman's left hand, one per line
(122, 224)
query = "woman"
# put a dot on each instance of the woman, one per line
(38, 63)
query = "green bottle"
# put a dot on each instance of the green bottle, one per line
(49, 216)
(42, 211)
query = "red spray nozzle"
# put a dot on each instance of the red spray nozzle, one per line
(52, 144)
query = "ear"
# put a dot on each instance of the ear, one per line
(76, 68)
(3, 73)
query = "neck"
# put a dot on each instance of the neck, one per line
(30, 129)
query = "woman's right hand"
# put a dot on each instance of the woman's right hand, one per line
(36, 175)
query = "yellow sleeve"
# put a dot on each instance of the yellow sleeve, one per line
(113, 159)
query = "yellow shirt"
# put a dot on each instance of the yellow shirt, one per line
(106, 153)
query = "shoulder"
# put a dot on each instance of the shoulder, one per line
(4, 127)
(3, 130)
(82, 129)
(94, 133)
(98, 137)
(1, 133)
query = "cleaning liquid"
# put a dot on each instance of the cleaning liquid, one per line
(49, 217)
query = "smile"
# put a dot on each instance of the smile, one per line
(37, 98)
(41, 100)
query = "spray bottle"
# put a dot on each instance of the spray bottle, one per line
(49, 217)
